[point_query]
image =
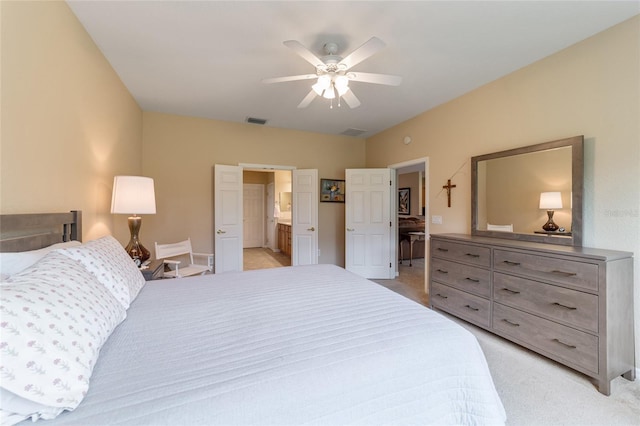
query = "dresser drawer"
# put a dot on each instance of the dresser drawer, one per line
(567, 272)
(464, 277)
(480, 256)
(556, 340)
(461, 304)
(571, 307)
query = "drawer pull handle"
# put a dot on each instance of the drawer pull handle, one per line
(472, 308)
(442, 271)
(563, 273)
(443, 249)
(473, 280)
(515, 324)
(441, 296)
(508, 262)
(565, 344)
(472, 255)
(508, 290)
(571, 308)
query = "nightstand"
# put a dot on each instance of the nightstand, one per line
(154, 271)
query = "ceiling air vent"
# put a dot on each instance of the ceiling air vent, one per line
(253, 120)
(353, 132)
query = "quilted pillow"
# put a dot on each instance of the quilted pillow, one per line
(55, 318)
(109, 262)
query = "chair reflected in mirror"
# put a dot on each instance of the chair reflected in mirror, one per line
(501, 228)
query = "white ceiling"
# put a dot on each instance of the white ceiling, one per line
(207, 58)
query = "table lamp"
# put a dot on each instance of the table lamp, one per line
(548, 202)
(134, 195)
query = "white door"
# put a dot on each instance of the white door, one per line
(368, 238)
(304, 217)
(253, 215)
(228, 218)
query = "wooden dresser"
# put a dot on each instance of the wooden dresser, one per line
(571, 304)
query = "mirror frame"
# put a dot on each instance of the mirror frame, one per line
(577, 181)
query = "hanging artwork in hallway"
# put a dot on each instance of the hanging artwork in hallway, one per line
(332, 190)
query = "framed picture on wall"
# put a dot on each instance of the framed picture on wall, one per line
(404, 201)
(332, 190)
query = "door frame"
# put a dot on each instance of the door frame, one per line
(397, 166)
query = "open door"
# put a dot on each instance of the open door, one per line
(369, 242)
(304, 217)
(228, 218)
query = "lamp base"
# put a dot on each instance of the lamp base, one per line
(550, 226)
(135, 249)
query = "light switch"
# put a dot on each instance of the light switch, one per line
(436, 219)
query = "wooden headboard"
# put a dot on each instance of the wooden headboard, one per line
(22, 232)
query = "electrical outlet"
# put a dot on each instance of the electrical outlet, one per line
(318, 252)
(436, 219)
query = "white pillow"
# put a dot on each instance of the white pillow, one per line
(11, 263)
(109, 262)
(15, 409)
(55, 318)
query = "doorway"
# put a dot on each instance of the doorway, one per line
(267, 207)
(412, 266)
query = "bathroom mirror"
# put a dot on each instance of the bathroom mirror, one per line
(285, 201)
(506, 188)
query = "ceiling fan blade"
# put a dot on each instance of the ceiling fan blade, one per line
(369, 48)
(289, 78)
(307, 99)
(367, 77)
(351, 99)
(304, 53)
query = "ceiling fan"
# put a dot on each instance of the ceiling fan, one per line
(333, 72)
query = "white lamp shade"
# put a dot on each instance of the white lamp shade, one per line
(133, 195)
(550, 200)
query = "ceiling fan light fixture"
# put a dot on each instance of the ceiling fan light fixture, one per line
(341, 81)
(332, 72)
(330, 93)
(324, 82)
(342, 90)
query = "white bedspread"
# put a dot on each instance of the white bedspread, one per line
(287, 346)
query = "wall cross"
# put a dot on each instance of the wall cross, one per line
(448, 187)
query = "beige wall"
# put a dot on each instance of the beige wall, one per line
(591, 88)
(180, 153)
(68, 123)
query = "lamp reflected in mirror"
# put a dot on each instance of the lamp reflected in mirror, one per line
(550, 201)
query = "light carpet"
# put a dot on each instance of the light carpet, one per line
(538, 391)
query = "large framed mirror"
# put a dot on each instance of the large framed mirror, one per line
(533, 193)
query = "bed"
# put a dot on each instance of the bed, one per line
(288, 346)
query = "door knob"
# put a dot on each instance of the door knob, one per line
(350, 229)
(311, 229)
(220, 231)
